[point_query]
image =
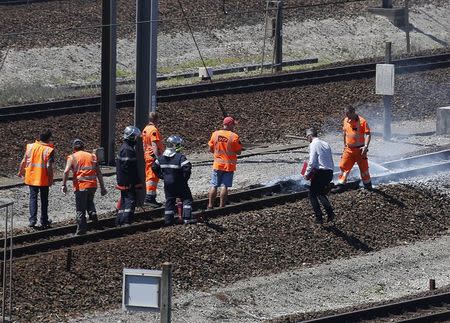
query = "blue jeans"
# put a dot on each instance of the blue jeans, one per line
(43, 190)
(221, 178)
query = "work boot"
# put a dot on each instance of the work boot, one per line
(150, 200)
(339, 188)
(80, 232)
(189, 221)
(330, 217)
(46, 225)
(94, 219)
(318, 220)
(368, 186)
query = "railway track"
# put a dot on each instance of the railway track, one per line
(243, 85)
(255, 198)
(434, 308)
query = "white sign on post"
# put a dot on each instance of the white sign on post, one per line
(141, 290)
(385, 79)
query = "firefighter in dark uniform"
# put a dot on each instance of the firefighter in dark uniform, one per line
(127, 176)
(173, 167)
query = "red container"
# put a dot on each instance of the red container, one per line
(304, 167)
(180, 211)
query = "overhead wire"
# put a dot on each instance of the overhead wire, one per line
(222, 109)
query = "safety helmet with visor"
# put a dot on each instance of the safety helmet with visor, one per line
(131, 133)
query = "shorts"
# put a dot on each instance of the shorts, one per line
(221, 178)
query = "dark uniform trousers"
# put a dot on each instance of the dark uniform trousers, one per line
(172, 192)
(127, 180)
(125, 214)
(175, 169)
(318, 191)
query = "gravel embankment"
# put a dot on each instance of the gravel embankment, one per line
(230, 249)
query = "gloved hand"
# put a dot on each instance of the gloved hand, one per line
(103, 191)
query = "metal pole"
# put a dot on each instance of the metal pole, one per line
(265, 36)
(153, 53)
(146, 58)
(10, 263)
(166, 292)
(109, 63)
(387, 3)
(387, 100)
(5, 243)
(279, 37)
(407, 27)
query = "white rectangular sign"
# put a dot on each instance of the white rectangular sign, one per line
(385, 79)
(141, 290)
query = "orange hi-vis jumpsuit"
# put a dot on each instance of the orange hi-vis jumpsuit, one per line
(225, 144)
(36, 164)
(84, 167)
(354, 131)
(151, 134)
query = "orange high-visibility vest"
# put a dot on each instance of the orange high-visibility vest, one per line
(84, 167)
(225, 145)
(151, 134)
(37, 161)
(354, 132)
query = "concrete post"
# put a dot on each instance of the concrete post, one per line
(166, 293)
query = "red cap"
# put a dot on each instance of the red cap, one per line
(229, 121)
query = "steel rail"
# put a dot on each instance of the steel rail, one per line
(60, 237)
(217, 88)
(384, 311)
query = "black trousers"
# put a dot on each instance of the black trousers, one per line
(125, 214)
(183, 192)
(318, 191)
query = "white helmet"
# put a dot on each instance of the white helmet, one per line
(174, 142)
(131, 133)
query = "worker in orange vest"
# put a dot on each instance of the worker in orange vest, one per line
(37, 169)
(225, 145)
(356, 145)
(86, 172)
(153, 148)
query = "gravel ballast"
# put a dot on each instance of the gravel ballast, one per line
(256, 265)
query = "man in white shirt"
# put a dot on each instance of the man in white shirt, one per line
(320, 173)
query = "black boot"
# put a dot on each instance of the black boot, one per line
(150, 200)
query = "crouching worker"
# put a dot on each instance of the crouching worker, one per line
(173, 167)
(127, 176)
(85, 174)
